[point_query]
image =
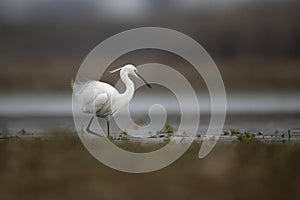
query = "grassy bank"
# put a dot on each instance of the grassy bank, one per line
(61, 168)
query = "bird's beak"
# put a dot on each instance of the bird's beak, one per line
(143, 80)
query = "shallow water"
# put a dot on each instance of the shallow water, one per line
(256, 112)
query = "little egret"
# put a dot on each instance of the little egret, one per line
(103, 100)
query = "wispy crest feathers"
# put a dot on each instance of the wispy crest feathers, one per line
(113, 71)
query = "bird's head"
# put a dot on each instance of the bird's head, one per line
(131, 69)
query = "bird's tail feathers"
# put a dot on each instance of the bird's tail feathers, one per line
(78, 86)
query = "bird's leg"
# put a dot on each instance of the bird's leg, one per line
(89, 124)
(90, 131)
(107, 123)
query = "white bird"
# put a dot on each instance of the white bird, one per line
(103, 100)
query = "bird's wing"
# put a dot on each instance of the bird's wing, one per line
(95, 104)
(94, 96)
(100, 100)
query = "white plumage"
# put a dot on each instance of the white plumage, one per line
(103, 100)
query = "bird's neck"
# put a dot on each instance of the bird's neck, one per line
(127, 95)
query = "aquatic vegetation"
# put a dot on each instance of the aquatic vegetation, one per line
(210, 138)
(169, 129)
(181, 134)
(236, 135)
(123, 136)
(226, 133)
(20, 134)
(12, 137)
(234, 132)
(246, 137)
(124, 133)
(23, 132)
(110, 137)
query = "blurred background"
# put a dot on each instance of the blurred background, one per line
(255, 44)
